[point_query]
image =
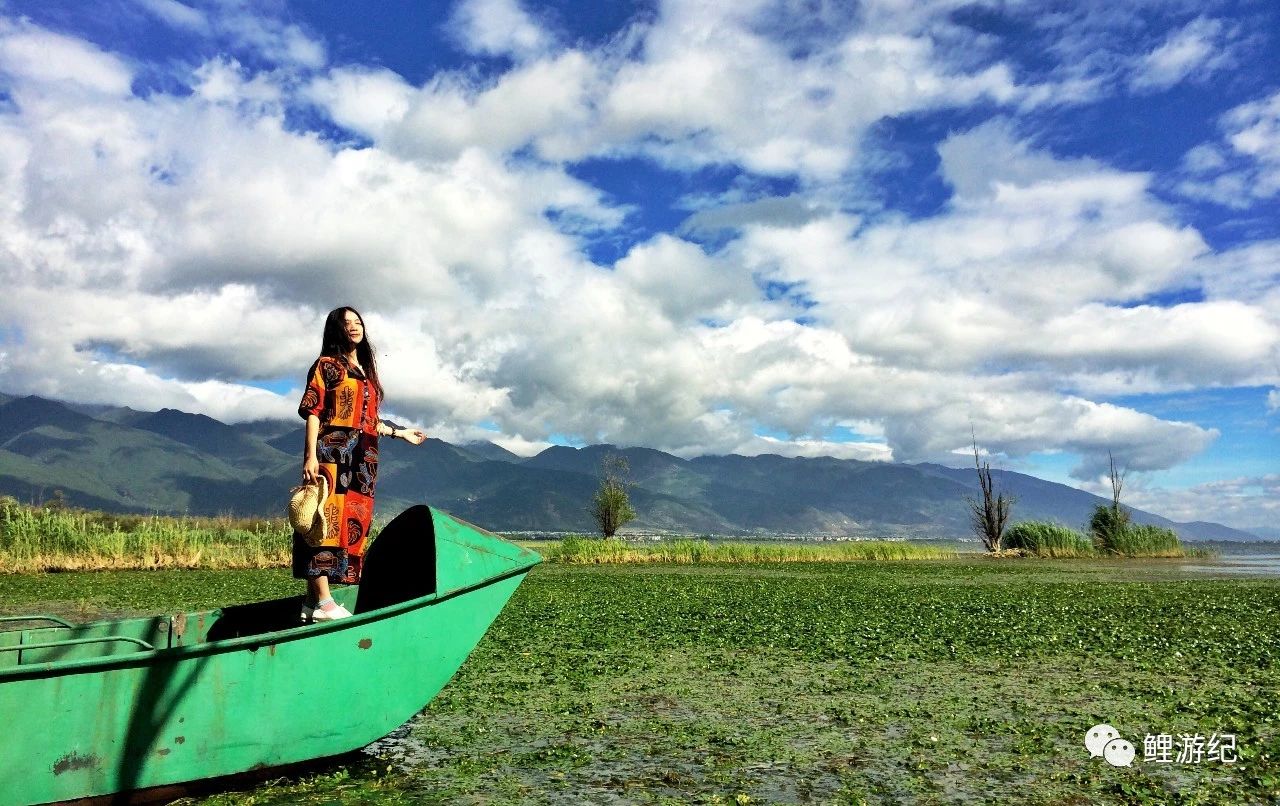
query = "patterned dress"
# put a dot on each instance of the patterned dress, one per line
(347, 449)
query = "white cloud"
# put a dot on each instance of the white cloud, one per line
(543, 103)
(1196, 49)
(42, 57)
(1244, 168)
(813, 448)
(968, 288)
(366, 101)
(244, 29)
(1248, 274)
(177, 14)
(280, 42)
(499, 28)
(709, 86)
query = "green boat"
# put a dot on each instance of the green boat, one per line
(116, 707)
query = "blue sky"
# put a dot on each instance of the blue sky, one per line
(862, 229)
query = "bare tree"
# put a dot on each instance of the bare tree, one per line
(1117, 482)
(1108, 524)
(990, 515)
(611, 505)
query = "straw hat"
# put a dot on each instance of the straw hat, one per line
(306, 510)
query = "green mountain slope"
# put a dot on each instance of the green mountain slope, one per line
(171, 461)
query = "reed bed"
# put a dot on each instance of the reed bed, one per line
(1049, 540)
(1145, 540)
(35, 539)
(577, 550)
(1043, 539)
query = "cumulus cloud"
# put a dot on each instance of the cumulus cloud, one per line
(966, 289)
(499, 28)
(690, 88)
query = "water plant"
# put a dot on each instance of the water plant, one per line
(579, 550)
(926, 682)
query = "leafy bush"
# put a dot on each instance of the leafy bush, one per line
(611, 505)
(1048, 540)
(1108, 525)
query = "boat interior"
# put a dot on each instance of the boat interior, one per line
(401, 565)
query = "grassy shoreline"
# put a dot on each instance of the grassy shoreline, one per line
(35, 539)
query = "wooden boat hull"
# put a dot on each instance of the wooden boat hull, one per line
(202, 705)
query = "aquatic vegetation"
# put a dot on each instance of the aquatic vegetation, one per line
(576, 550)
(965, 680)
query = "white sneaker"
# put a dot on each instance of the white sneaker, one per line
(333, 614)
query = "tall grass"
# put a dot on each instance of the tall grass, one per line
(1142, 540)
(1111, 536)
(1048, 540)
(37, 539)
(576, 550)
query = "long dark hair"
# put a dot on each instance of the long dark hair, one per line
(337, 345)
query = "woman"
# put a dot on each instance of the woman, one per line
(340, 405)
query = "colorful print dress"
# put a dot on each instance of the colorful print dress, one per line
(347, 450)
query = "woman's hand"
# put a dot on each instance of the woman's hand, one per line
(310, 470)
(413, 436)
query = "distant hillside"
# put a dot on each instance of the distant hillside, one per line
(170, 461)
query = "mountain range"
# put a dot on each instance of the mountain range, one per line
(168, 461)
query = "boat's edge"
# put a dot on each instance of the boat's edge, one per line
(167, 793)
(301, 632)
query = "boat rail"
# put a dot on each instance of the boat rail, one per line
(55, 619)
(104, 639)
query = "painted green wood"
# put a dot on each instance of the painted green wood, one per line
(94, 719)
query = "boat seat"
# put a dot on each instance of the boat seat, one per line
(401, 562)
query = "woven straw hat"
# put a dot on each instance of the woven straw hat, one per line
(306, 510)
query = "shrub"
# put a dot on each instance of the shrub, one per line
(1108, 526)
(611, 505)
